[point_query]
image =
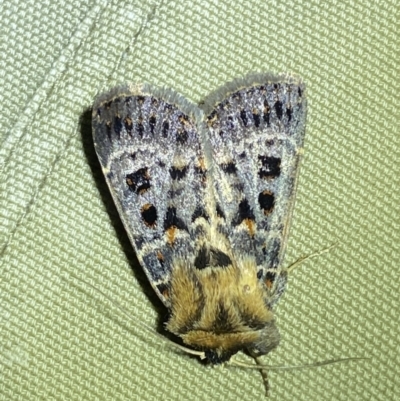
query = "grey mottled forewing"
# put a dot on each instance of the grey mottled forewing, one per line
(256, 129)
(148, 145)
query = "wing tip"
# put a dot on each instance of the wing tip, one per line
(145, 89)
(249, 80)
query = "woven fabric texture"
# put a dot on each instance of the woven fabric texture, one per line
(77, 315)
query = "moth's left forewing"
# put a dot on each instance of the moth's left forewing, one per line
(148, 145)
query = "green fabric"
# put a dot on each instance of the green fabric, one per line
(61, 339)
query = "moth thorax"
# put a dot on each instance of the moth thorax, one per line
(221, 311)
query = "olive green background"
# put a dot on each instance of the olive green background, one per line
(63, 339)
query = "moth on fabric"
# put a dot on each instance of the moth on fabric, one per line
(206, 195)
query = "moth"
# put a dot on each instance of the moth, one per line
(206, 194)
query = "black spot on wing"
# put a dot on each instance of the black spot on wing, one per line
(182, 134)
(171, 220)
(278, 106)
(269, 279)
(266, 113)
(128, 125)
(230, 124)
(256, 118)
(212, 115)
(164, 290)
(152, 123)
(244, 212)
(243, 117)
(139, 242)
(229, 168)
(165, 129)
(182, 137)
(140, 128)
(177, 173)
(289, 113)
(139, 181)
(266, 200)
(219, 211)
(149, 215)
(270, 167)
(118, 126)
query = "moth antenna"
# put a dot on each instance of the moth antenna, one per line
(200, 354)
(302, 259)
(262, 367)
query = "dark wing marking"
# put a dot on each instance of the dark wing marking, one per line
(147, 142)
(256, 130)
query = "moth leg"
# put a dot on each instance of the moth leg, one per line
(264, 375)
(302, 259)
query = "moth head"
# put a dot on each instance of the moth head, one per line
(268, 340)
(220, 347)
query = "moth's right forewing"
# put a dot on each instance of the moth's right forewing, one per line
(256, 129)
